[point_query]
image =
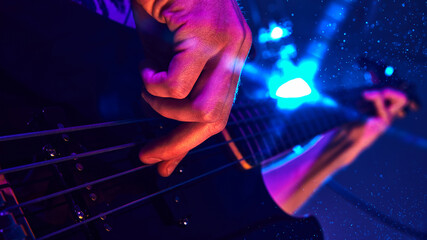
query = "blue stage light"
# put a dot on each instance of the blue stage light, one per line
(294, 88)
(389, 71)
(291, 94)
(276, 33)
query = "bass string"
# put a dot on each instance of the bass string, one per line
(27, 135)
(145, 198)
(72, 129)
(121, 147)
(124, 173)
(68, 158)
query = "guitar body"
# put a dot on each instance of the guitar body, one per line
(79, 69)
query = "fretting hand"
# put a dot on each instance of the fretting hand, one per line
(210, 43)
(365, 134)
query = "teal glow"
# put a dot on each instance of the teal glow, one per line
(293, 85)
(275, 32)
(288, 51)
(298, 149)
(389, 71)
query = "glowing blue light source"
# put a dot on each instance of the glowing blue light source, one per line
(288, 51)
(276, 33)
(294, 88)
(389, 71)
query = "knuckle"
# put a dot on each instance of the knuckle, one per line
(218, 126)
(178, 92)
(210, 115)
(208, 112)
(238, 34)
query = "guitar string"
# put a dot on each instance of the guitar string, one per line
(67, 158)
(109, 149)
(19, 136)
(72, 129)
(129, 171)
(124, 173)
(121, 174)
(206, 174)
(140, 200)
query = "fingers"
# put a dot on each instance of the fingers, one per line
(208, 96)
(166, 168)
(377, 98)
(169, 150)
(206, 101)
(396, 99)
(183, 72)
(200, 83)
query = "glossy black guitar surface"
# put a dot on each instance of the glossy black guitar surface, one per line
(82, 69)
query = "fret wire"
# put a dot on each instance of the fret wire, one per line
(281, 133)
(293, 136)
(317, 122)
(320, 116)
(244, 136)
(312, 131)
(263, 140)
(253, 119)
(277, 135)
(270, 136)
(299, 125)
(325, 117)
(251, 132)
(238, 139)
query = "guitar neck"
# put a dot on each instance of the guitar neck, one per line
(262, 131)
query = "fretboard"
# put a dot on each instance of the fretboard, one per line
(262, 131)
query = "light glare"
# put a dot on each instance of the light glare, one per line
(294, 88)
(276, 33)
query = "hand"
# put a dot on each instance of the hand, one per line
(375, 126)
(210, 43)
(362, 136)
(354, 139)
